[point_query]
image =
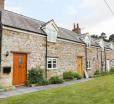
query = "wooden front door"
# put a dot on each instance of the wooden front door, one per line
(19, 69)
(80, 66)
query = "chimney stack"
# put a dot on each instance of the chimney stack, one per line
(2, 2)
(77, 29)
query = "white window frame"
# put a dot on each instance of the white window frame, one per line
(113, 63)
(52, 63)
(88, 65)
(88, 44)
(52, 35)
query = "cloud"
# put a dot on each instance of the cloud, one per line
(92, 15)
(105, 26)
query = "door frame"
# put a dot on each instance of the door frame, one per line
(26, 53)
(81, 65)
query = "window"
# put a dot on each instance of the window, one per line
(52, 36)
(88, 64)
(20, 60)
(52, 63)
(88, 45)
(101, 43)
(88, 41)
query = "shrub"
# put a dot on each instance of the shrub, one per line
(97, 72)
(35, 75)
(56, 80)
(103, 73)
(76, 75)
(71, 75)
(112, 71)
(45, 82)
(68, 75)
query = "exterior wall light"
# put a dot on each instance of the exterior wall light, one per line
(7, 54)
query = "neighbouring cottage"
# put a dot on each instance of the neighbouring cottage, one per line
(27, 43)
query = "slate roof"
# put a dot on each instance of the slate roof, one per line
(15, 20)
(25, 23)
(19, 21)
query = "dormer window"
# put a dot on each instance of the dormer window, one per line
(111, 46)
(88, 45)
(51, 35)
(88, 41)
(51, 30)
(101, 43)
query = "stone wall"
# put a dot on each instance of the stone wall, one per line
(110, 56)
(94, 54)
(66, 53)
(34, 44)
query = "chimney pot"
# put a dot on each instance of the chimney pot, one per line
(77, 29)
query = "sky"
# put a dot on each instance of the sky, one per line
(93, 16)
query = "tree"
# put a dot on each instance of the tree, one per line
(111, 38)
(103, 36)
(95, 36)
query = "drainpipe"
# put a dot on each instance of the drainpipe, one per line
(105, 58)
(86, 74)
(101, 61)
(0, 41)
(46, 60)
(98, 58)
(86, 56)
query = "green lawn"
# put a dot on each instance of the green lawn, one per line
(96, 91)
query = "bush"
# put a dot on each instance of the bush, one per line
(44, 82)
(112, 71)
(77, 76)
(35, 75)
(103, 73)
(97, 72)
(68, 75)
(71, 75)
(56, 80)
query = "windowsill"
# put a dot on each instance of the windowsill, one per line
(88, 68)
(52, 69)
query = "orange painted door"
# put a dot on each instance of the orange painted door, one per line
(19, 69)
(80, 66)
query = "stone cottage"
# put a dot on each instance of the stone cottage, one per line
(27, 43)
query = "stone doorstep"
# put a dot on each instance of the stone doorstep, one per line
(25, 90)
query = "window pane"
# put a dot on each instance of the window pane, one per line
(49, 62)
(54, 62)
(20, 60)
(49, 66)
(54, 65)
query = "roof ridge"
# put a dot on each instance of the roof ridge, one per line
(24, 16)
